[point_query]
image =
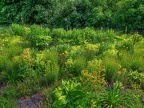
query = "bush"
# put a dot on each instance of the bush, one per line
(39, 37)
(90, 51)
(94, 80)
(21, 67)
(71, 94)
(18, 29)
(75, 51)
(79, 65)
(47, 66)
(136, 79)
(125, 57)
(111, 66)
(126, 44)
(94, 65)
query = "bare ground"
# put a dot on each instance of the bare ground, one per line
(33, 101)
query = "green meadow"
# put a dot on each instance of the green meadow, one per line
(75, 68)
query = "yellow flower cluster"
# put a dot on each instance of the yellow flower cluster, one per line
(93, 102)
(27, 30)
(26, 54)
(75, 49)
(92, 47)
(111, 52)
(69, 63)
(94, 79)
(25, 58)
(16, 40)
(94, 65)
(121, 70)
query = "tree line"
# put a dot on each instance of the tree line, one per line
(117, 14)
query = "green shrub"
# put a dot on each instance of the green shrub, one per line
(94, 80)
(18, 29)
(136, 78)
(90, 51)
(125, 59)
(29, 86)
(137, 60)
(69, 34)
(39, 37)
(12, 63)
(126, 44)
(75, 51)
(5, 62)
(71, 95)
(89, 34)
(137, 64)
(77, 36)
(8, 97)
(79, 65)
(111, 66)
(21, 67)
(62, 58)
(122, 75)
(7, 103)
(15, 41)
(13, 51)
(63, 47)
(110, 35)
(70, 65)
(52, 72)
(140, 44)
(47, 66)
(58, 33)
(11, 46)
(110, 49)
(61, 36)
(75, 66)
(102, 48)
(94, 65)
(111, 52)
(98, 37)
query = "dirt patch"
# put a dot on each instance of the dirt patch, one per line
(33, 101)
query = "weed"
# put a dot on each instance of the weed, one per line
(79, 65)
(71, 94)
(111, 65)
(47, 66)
(91, 50)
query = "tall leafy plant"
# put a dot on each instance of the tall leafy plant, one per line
(71, 95)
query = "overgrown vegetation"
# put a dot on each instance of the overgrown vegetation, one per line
(84, 68)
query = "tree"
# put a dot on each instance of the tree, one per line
(129, 14)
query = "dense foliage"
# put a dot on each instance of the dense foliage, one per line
(68, 59)
(117, 14)
(84, 68)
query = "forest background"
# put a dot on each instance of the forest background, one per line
(115, 14)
